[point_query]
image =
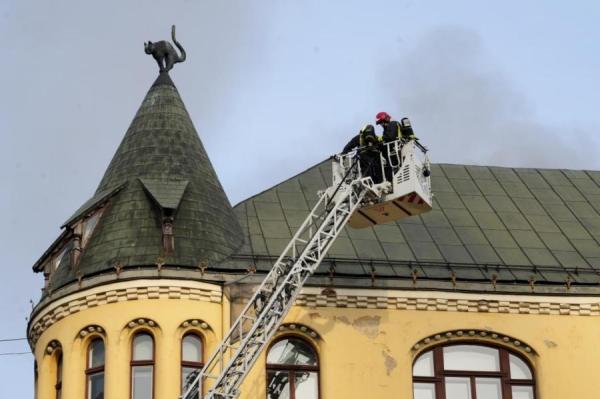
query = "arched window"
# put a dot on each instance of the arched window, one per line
(191, 359)
(468, 371)
(142, 366)
(59, 370)
(94, 370)
(35, 379)
(292, 370)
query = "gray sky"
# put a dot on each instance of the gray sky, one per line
(274, 87)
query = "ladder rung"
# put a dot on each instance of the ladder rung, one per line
(300, 258)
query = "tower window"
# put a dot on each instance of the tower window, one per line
(472, 371)
(59, 369)
(292, 370)
(63, 258)
(95, 370)
(191, 360)
(142, 366)
(89, 226)
(35, 379)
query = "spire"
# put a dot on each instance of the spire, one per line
(160, 197)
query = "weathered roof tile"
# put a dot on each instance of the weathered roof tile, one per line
(161, 149)
(488, 223)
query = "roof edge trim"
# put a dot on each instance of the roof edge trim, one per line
(92, 203)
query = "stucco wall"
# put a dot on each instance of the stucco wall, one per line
(365, 351)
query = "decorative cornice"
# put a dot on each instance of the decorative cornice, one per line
(53, 346)
(91, 329)
(312, 297)
(195, 323)
(298, 328)
(120, 292)
(466, 335)
(451, 302)
(141, 322)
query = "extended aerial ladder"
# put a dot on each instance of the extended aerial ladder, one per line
(352, 198)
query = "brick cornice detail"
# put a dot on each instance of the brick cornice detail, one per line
(119, 292)
(526, 305)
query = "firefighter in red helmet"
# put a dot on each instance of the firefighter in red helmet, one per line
(394, 130)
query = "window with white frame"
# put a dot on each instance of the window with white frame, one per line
(472, 371)
(142, 366)
(191, 360)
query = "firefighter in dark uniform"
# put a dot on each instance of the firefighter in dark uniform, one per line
(394, 130)
(368, 145)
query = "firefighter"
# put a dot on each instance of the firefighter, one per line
(365, 137)
(369, 155)
(394, 130)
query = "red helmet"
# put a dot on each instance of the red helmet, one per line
(382, 117)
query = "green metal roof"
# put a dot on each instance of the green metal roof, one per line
(161, 163)
(166, 193)
(527, 226)
(518, 228)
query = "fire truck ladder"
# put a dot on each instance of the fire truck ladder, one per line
(263, 314)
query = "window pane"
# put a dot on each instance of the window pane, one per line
(471, 357)
(96, 355)
(64, 257)
(188, 375)
(192, 349)
(59, 367)
(96, 386)
(458, 388)
(307, 385)
(423, 390)
(519, 369)
(292, 351)
(522, 392)
(278, 385)
(423, 367)
(141, 385)
(89, 226)
(58, 385)
(143, 347)
(488, 388)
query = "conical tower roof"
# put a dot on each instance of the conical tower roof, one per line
(160, 172)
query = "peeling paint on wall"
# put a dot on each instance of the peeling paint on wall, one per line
(389, 362)
(314, 315)
(342, 319)
(550, 344)
(368, 325)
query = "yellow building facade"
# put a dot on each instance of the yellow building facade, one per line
(366, 350)
(492, 295)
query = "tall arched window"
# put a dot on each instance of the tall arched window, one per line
(142, 366)
(59, 370)
(191, 359)
(35, 379)
(94, 370)
(468, 371)
(292, 370)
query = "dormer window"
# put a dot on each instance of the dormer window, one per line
(63, 258)
(89, 224)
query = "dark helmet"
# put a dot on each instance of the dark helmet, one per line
(368, 136)
(368, 129)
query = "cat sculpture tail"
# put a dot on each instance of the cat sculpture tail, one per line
(180, 58)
